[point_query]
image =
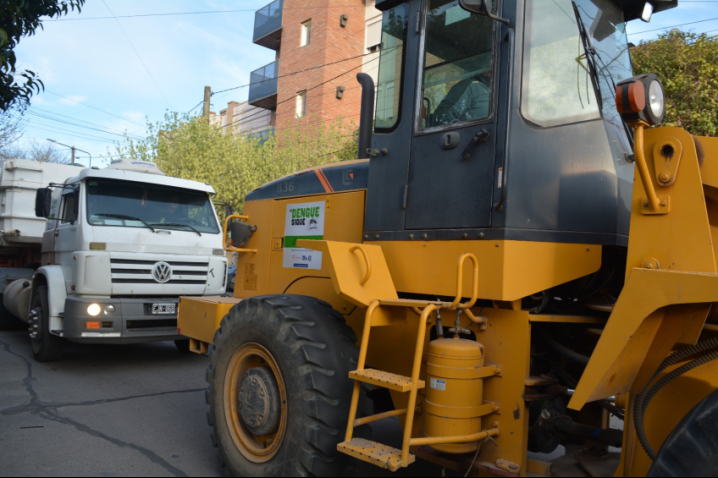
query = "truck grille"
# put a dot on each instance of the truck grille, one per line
(130, 271)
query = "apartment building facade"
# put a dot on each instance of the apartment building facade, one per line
(320, 46)
(243, 118)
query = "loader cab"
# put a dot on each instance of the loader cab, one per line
(501, 130)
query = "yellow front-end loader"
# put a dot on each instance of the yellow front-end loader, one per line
(523, 259)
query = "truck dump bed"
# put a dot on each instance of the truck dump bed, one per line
(19, 181)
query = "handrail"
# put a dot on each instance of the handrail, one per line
(460, 283)
(653, 201)
(226, 230)
(368, 263)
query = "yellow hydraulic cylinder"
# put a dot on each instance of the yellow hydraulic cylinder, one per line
(455, 393)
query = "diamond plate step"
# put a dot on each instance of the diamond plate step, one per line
(388, 380)
(375, 453)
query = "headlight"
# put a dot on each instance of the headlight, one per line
(641, 98)
(94, 310)
(109, 309)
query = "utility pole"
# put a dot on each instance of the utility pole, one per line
(207, 96)
(73, 150)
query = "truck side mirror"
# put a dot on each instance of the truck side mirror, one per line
(43, 202)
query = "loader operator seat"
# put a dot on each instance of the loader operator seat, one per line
(466, 100)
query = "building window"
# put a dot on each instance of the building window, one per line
(373, 36)
(301, 104)
(306, 33)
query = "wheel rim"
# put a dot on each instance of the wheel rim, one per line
(255, 448)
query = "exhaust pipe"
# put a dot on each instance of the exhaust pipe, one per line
(366, 120)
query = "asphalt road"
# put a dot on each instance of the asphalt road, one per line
(135, 410)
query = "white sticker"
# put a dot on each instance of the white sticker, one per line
(437, 384)
(303, 221)
(501, 177)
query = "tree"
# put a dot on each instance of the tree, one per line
(235, 164)
(20, 18)
(687, 65)
(42, 153)
(10, 130)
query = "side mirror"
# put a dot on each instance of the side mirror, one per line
(43, 202)
(240, 233)
(482, 7)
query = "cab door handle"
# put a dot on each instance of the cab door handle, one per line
(481, 137)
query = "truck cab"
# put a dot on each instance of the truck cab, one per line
(121, 245)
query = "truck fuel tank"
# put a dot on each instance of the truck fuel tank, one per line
(17, 297)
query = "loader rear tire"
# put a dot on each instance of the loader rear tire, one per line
(692, 447)
(292, 355)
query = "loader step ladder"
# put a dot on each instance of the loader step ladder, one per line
(375, 453)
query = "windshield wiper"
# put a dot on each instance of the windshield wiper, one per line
(159, 225)
(590, 52)
(126, 218)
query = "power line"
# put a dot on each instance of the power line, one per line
(54, 129)
(674, 26)
(138, 55)
(96, 109)
(123, 133)
(189, 13)
(309, 89)
(78, 125)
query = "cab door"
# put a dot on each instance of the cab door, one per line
(451, 168)
(66, 231)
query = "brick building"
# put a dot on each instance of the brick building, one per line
(320, 47)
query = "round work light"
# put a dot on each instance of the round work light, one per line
(641, 99)
(94, 310)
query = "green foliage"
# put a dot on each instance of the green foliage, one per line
(191, 148)
(20, 18)
(687, 65)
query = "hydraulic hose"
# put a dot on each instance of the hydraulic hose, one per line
(706, 351)
(563, 350)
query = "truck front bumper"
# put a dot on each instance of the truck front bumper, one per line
(132, 321)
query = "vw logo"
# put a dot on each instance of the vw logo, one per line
(162, 272)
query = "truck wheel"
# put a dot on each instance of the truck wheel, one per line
(692, 447)
(9, 321)
(279, 391)
(45, 346)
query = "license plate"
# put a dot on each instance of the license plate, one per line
(164, 309)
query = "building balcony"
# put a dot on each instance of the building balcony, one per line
(268, 25)
(263, 86)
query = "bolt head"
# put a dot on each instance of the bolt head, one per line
(645, 204)
(665, 177)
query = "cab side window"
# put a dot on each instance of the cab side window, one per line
(69, 206)
(458, 65)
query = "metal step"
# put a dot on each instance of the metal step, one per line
(375, 453)
(388, 380)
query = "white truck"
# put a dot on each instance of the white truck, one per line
(118, 247)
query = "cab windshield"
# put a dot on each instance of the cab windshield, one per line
(144, 205)
(558, 84)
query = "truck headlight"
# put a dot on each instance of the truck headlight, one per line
(109, 310)
(94, 310)
(641, 99)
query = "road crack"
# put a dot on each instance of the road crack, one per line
(49, 411)
(149, 454)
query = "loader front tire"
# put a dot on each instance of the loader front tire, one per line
(279, 391)
(692, 447)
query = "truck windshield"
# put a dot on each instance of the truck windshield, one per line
(143, 204)
(557, 83)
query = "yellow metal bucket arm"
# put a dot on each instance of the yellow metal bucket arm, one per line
(671, 263)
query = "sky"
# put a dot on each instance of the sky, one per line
(107, 77)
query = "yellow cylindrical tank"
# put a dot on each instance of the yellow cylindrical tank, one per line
(455, 391)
